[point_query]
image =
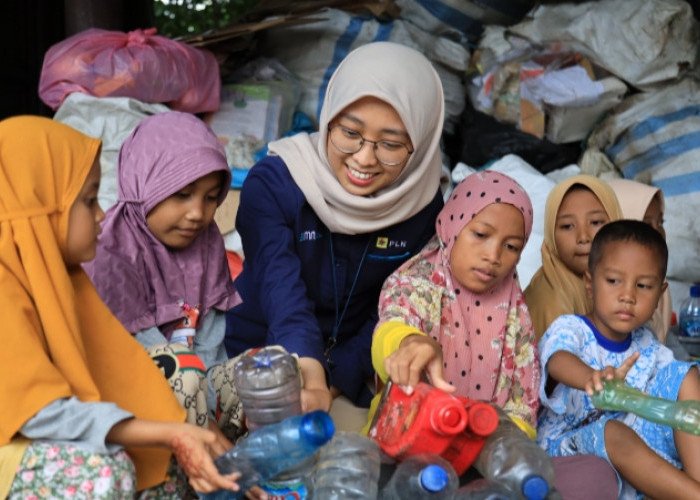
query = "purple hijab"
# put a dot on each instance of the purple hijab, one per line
(142, 281)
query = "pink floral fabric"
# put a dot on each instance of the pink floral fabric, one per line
(488, 342)
(50, 470)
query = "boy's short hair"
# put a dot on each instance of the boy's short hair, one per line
(628, 230)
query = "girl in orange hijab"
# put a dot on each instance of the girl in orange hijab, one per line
(576, 209)
(83, 408)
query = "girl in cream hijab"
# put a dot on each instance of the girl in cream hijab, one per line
(576, 209)
(646, 203)
(327, 216)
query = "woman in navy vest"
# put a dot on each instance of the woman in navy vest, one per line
(327, 216)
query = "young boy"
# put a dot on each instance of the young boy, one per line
(625, 278)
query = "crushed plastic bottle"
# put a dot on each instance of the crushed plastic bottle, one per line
(421, 477)
(513, 459)
(348, 468)
(618, 396)
(273, 449)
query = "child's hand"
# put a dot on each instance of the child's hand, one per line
(194, 448)
(417, 354)
(595, 383)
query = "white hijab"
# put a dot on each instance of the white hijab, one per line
(406, 80)
(634, 198)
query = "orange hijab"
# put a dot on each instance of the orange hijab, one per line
(59, 339)
(554, 289)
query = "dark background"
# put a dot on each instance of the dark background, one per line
(29, 27)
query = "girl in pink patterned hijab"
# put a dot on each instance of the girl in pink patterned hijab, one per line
(161, 264)
(455, 311)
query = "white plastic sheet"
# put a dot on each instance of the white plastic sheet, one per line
(644, 42)
(654, 137)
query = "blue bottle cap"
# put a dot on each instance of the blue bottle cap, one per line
(535, 488)
(695, 291)
(317, 427)
(434, 478)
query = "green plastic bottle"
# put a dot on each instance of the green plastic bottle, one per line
(681, 415)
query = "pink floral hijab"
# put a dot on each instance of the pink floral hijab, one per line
(487, 339)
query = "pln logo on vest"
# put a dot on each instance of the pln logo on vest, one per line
(384, 242)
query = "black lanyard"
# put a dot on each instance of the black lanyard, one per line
(333, 340)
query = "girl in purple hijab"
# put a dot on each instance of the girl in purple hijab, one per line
(161, 264)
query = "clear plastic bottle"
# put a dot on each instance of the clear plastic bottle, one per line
(618, 396)
(689, 314)
(348, 468)
(425, 476)
(265, 453)
(512, 458)
(484, 489)
(269, 386)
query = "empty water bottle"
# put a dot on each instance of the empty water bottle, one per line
(511, 458)
(618, 396)
(348, 468)
(689, 314)
(422, 477)
(269, 386)
(265, 453)
(484, 489)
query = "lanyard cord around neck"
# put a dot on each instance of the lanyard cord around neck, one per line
(339, 318)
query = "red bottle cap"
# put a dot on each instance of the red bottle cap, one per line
(483, 419)
(449, 419)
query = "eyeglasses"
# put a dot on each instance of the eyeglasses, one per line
(349, 141)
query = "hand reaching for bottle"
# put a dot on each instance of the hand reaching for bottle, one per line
(416, 355)
(595, 383)
(194, 449)
(315, 394)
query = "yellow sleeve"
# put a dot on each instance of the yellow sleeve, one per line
(386, 340)
(524, 426)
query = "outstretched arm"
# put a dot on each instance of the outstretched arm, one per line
(568, 369)
(192, 446)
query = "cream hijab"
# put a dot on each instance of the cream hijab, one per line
(554, 289)
(634, 198)
(406, 80)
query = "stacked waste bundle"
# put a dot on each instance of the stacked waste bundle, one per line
(612, 86)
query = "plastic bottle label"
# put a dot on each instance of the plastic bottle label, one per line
(690, 328)
(295, 491)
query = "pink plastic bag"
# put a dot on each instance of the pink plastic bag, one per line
(138, 64)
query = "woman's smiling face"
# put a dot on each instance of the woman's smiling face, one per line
(361, 173)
